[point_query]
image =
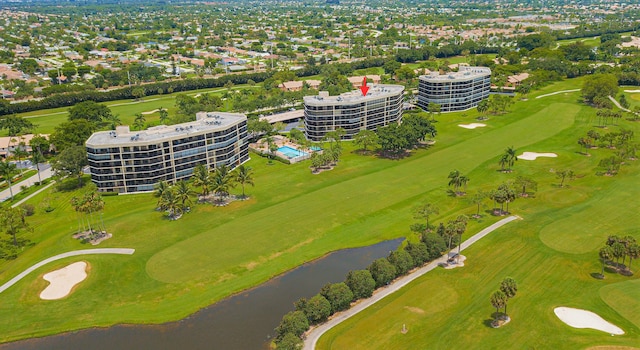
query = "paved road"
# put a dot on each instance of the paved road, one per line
(314, 334)
(125, 251)
(15, 187)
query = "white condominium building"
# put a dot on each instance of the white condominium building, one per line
(456, 91)
(352, 111)
(127, 161)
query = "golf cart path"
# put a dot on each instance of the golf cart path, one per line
(124, 251)
(557, 92)
(315, 333)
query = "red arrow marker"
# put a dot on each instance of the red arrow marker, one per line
(364, 88)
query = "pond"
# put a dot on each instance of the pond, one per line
(244, 321)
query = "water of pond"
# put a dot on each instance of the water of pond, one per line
(244, 321)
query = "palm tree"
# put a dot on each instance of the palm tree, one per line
(138, 123)
(21, 152)
(243, 175)
(170, 202)
(498, 300)
(202, 178)
(508, 158)
(633, 251)
(160, 189)
(606, 254)
(509, 287)
(477, 199)
(164, 115)
(7, 170)
(37, 158)
(457, 180)
(221, 182)
(565, 174)
(183, 193)
(425, 211)
(460, 227)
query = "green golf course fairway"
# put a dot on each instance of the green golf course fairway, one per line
(294, 216)
(551, 254)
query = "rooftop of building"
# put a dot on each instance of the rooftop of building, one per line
(376, 91)
(464, 73)
(205, 122)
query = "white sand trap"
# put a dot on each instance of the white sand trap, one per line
(150, 112)
(578, 318)
(534, 155)
(63, 280)
(472, 125)
(632, 91)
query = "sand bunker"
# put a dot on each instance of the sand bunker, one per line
(534, 155)
(63, 280)
(578, 318)
(632, 91)
(150, 112)
(472, 125)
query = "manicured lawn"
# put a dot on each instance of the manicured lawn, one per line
(46, 120)
(294, 216)
(551, 253)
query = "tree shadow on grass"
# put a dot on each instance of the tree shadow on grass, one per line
(597, 275)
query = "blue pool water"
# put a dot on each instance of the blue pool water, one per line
(291, 152)
(316, 148)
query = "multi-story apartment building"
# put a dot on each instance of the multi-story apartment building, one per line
(127, 161)
(352, 111)
(455, 91)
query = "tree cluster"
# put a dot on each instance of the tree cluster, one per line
(619, 248)
(396, 138)
(358, 284)
(499, 299)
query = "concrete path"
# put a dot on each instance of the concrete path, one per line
(615, 102)
(15, 187)
(315, 333)
(125, 251)
(33, 194)
(557, 92)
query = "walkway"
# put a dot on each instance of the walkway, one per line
(315, 333)
(16, 187)
(557, 92)
(125, 251)
(615, 102)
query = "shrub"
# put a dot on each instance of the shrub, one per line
(28, 209)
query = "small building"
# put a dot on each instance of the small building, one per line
(357, 81)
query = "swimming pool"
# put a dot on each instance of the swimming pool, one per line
(291, 152)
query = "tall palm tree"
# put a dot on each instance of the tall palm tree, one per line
(183, 193)
(164, 115)
(37, 158)
(170, 202)
(202, 178)
(606, 254)
(7, 170)
(160, 189)
(138, 123)
(509, 158)
(457, 180)
(244, 176)
(222, 182)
